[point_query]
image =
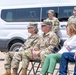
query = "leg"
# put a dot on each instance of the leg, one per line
(54, 58)
(45, 65)
(66, 57)
(50, 63)
(26, 56)
(7, 65)
(15, 62)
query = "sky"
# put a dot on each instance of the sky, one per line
(30, 2)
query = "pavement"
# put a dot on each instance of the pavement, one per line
(2, 70)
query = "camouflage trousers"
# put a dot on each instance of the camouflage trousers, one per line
(8, 60)
(26, 56)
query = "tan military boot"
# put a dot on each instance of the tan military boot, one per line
(14, 72)
(24, 72)
(8, 72)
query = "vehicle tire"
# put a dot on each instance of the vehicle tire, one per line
(15, 47)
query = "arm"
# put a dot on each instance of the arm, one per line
(56, 25)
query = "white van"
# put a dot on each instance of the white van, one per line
(14, 21)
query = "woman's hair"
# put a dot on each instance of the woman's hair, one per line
(72, 27)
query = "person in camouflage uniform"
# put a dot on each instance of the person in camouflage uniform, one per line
(73, 17)
(45, 46)
(30, 42)
(54, 20)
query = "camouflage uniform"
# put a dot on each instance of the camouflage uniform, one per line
(45, 45)
(55, 21)
(8, 60)
(73, 17)
(32, 40)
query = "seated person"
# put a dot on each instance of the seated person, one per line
(31, 40)
(69, 46)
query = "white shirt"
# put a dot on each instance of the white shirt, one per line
(69, 45)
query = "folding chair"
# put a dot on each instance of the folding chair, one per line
(33, 67)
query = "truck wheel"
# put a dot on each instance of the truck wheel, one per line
(15, 47)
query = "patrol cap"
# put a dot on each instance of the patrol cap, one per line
(74, 8)
(47, 22)
(51, 11)
(33, 25)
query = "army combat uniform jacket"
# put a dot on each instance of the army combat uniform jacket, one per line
(31, 41)
(72, 19)
(55, 23)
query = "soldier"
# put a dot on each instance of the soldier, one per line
(73, 17)
(69, 46)
(45, 46)
(32, 40)
(54, 19)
